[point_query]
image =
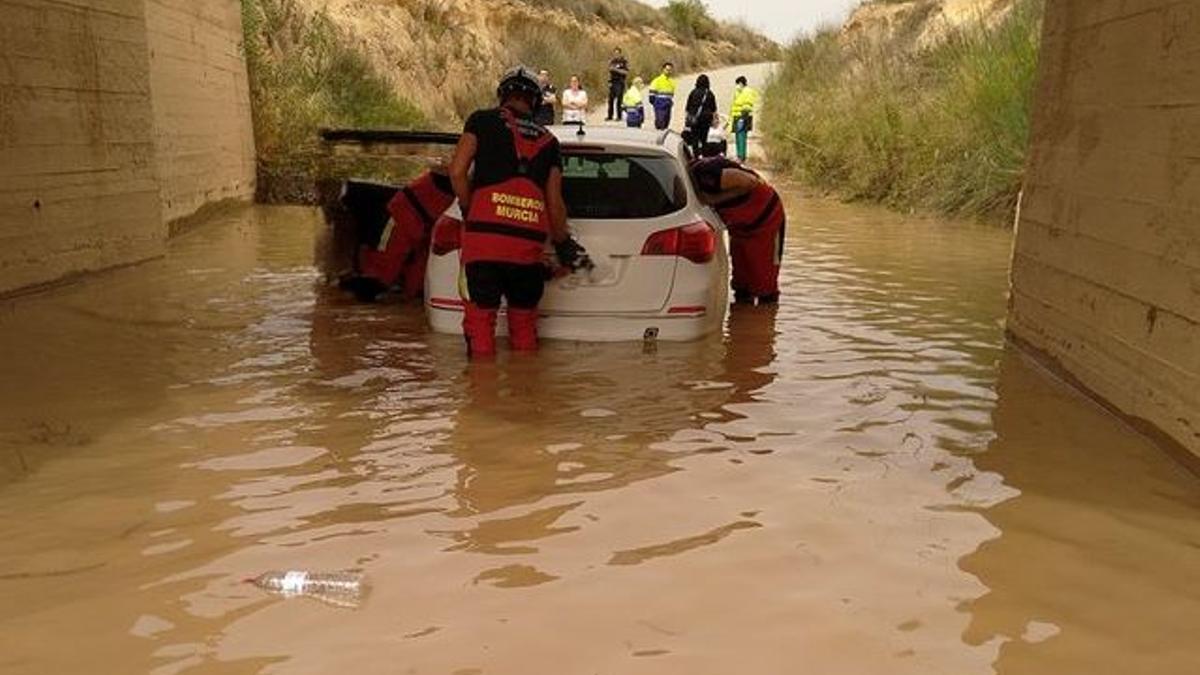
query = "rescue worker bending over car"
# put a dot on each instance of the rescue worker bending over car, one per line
(401, 252)
(511, 204)
(394, 246)
(753, 213)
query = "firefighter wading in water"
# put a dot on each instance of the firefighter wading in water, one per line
(753, 213)
(512, 204)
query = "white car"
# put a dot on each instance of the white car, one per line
(661, 258)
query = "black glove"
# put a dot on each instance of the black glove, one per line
(365, 289)
(571, 255)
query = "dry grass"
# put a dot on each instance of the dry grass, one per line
(944, 129)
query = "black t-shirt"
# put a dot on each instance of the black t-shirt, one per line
(496, 158)
(707, 172)
(701, 102)
(618, 62)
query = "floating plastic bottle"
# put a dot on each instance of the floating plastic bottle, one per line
(341, 589)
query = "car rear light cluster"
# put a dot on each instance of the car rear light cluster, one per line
(447, 235)
(696, 242)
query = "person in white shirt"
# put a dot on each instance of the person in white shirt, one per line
(716, 144)
(574, 102)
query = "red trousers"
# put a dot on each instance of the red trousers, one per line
(756, 257)
(488, 283)
(397, 252)
(400, 258)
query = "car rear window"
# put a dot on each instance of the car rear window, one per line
(619, 186)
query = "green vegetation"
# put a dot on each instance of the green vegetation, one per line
(691, 19)
(944, 128)
(303, 76)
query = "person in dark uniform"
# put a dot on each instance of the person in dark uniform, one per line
(544, 112)
(512, 203)
(618, 73)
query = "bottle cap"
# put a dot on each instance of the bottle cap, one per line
(293, 582)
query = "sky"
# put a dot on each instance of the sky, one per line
(780, 19)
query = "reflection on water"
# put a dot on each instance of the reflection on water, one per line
(862, 480)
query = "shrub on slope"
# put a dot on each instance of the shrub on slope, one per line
(942, 128)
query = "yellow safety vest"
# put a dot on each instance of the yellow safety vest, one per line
(662, 85)
(744, 102)
(632, 98)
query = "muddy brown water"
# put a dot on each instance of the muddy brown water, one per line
(865, 480)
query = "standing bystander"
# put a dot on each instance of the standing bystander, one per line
(662, 96)
(700, 108)
(741, 115)
(543, 114)
(618, 73)
(574, 102)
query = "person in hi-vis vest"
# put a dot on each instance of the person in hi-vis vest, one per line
(662, 96)
(741, 115)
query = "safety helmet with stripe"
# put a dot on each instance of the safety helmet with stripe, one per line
(519, 80)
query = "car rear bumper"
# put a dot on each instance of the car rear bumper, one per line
(679, 324)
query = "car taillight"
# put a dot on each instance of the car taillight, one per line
(696, 242)
(447, 235)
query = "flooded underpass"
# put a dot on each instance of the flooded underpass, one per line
(863, 480)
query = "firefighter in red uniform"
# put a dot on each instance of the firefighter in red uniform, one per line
(753, 213)
(512, 203)
(395, 240)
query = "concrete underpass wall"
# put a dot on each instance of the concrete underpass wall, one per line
(1106, 266)
(204, 136)
(116, 117)
(78, 186)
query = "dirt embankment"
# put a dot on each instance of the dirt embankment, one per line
(428, 63)
(920, 24)
(443, 55)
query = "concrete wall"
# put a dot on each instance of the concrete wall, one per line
(1106, 266)
(78, 188)
(116, 116)
(204, 137)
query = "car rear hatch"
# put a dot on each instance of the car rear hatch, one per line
(616, 201)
